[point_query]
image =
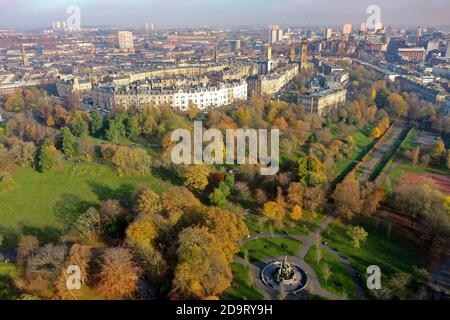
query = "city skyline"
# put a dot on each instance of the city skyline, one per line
(21, 14)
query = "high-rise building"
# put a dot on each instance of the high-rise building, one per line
(432, 45)
(328, 33)
(269, 53)
(149, 27)
(363, 28)
(125, 40)
(275, 33)
(419, 34)
(447, 53)
(235, 45)
(347, 29)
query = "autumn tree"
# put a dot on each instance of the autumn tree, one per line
(347, 197)
(357, 235)
(415, 156)
(295, 194)
(438, 149)
(274, 212)
(141, 233)
(86, 149)
(80, 257)
(296, 213)
(118, 274)
(196, 177)
(376, 132)
(111, 211)
(27, 246)
(177, 201)
(132, 162)
(89, 224)
(226, 226)
(15, 102)
(371, 198)
(44, 267)
(398, 104)
(148, 203)
(203, 270)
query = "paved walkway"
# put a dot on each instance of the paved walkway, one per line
(299, 259)
(380, 151)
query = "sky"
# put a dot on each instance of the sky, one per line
(26, 14)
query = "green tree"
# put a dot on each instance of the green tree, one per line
(46, 156)
(79, 127)
(310, 171)
(326, 273)
(97, 124)
(133, 128)
(68, 142)
(116, 130)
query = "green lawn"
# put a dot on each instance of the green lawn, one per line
(389, 156)
(8, 291)
(242, 287)
(384, 247)
(340, 280)
(410, 141)
(257, 223)
(361, 141)
(41, 203)
(259, 250)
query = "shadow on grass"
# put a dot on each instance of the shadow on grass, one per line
(123, 193)
(11, 237)
(166, 175)
(69, 208)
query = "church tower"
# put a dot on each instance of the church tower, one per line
(25, 61)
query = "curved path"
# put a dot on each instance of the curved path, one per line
(299, 259)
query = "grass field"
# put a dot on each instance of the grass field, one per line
(259, 224)
(362, 142)
(397, 173)
(41, 203)
(340, 280)
(242, 287)
(259, 250)
(384, 247)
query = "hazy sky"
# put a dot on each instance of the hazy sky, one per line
(40, 13)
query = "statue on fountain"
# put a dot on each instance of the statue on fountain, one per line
(281, 275)
(285, 274)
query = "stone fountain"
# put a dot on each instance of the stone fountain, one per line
(280, 275)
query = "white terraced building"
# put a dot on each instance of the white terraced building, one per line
(202, 96)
